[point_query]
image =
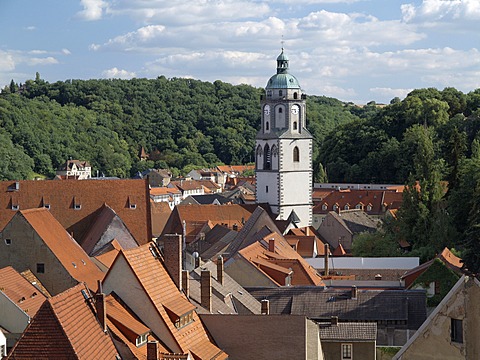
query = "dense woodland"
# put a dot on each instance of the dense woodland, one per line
(430, 141)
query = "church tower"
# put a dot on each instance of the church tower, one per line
(283, 154)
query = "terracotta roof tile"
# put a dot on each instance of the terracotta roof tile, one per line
(164, 295)
(26, 296)
(91, 195)
(66, 249)
(55, 334)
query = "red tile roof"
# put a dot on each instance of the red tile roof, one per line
(379, 201)
(90, 195)
(26, 296)
(65, 327)
(165, 296)
(195, 217)
(63, 246)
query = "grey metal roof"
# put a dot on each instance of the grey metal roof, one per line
(370, 305)
(404, 263)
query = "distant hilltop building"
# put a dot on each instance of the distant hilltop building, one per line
(283, 155)
(75, 169)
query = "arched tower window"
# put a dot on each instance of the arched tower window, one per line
(280, 110)
(274, 159)
(280, 92)
(295, 95)
(267, 158)
(267, 126)
(295, 126)
(259, 156)
(296, 154)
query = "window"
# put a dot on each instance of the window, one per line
(347, 351)
(15, 207)
(294, 125)
(142, 339)
(295, 95)
(457, 330)
(77, 206)
(296, 154)
(133, 206)
(266, 189)
(267, 126)
(280, 93)
(40, 268)
(280, 110)
(8, 241)
(267, 158)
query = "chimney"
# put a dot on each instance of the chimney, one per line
(265, 307)
(172, 250)
(307, 231)
(271, 245)
(206, 290)
(327, 251)
(220, 269)
(334, 320)
(185, 283)
(354, 292)
(152, 350)
(101, 308)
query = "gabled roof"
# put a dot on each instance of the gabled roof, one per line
(356, 221)
(89, 196)
(282, 261)
(347, 331)
(160, 213)
(55, 333)
(195, 216)
(370, 305)
(68, 165)
(26, 296)
(168, 300)
(215, 243)
(63, 246)
(229, 298)
(100, 225)
(234, 169)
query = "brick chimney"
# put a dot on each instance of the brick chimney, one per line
(354, 292)
(101, 308)
(220, 269)
(265, 307)
(206, 290)
(172, 250)
(327, 251)
(186, 283)
(152, 350)
(334, 320)
(271, 245)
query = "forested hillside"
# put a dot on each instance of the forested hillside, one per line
(429, 141)
(191, 123)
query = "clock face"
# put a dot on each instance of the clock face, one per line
(295, 109)
(266, 110)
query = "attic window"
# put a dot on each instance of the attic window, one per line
(369, 207)
(132, 204)
(456, 330)
(324, 207)
(141, 339)
(8, 241)
(184, 320)
(347, 207)
(77, 204)
(40, 268)
(46, 206)
(15, 207)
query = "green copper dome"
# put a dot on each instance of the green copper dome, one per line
(282, 79)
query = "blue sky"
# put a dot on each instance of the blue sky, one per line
(351, 50)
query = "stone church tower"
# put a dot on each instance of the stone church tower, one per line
(283, 154)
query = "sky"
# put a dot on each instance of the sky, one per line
(351, 50)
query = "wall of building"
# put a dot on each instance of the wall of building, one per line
(244, 273)
(27, 250)
(314, 346)
(334, 233)
(121, 280)
(360, 350)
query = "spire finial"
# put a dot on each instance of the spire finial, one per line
(283, 42)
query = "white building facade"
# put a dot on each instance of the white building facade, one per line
(283, 155)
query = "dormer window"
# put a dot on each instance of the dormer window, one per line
(141, 339)
(77, 205)
(324, 207)
(369, 207)
(347, 207)
(335, 207)
(15, 207)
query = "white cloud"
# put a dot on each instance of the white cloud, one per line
(37, 52)
(92, 9)
(7, 62)
(30, 28)
(442, 10)
(41, 61)
(66, 52)
(189, 12)
(115, 73)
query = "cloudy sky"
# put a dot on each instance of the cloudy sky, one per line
(352, 50)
